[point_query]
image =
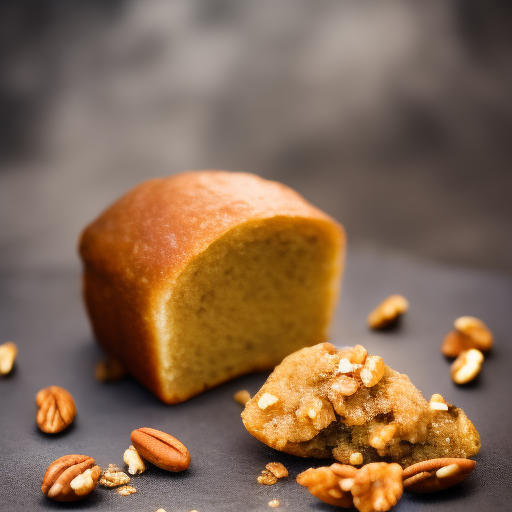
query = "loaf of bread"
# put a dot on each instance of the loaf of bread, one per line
(201, 277)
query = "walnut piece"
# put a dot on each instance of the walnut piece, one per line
(388, 311)
(113, 477)
(277, 469)
(126, 490)
(438, 403)
(479, 334)
(132, 459)
(266, 400)
(85, 483)
(467, 366)
(242, 396)
(267, 478)
(377, 486)
(373, 370)
(8, 352)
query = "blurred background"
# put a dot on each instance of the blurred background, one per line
(395, 117)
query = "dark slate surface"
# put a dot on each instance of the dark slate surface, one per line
(43, 313)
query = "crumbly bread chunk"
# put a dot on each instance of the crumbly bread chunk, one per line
(314, 412)
(198, 278)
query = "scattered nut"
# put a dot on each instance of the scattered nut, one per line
(126, 490)
(274, 503)
(242, 396)
(266, 400)
(382, 436)
(388, 311)
(356, 459)
(436, 474)
(57, 409)
(373, 370)
(8, 352)
(277, 469)
(109, 370)
(479, 334)
(161, 449)
(113, 477)
(438, 403)
(267, 478)
(377, 486)
(324, 483)
(467, 366)
(132, 459)
(70, 478)
(455, 343)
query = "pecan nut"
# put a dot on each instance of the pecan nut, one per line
(70, 478)
(436, 474)
(161, 449)
(56, 409)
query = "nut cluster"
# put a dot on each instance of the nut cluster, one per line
(8, 352)
(376, 486)
(388, 311)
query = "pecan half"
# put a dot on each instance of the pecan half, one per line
(161, 449)
(56, 409)
(70, 478)
(436, 474)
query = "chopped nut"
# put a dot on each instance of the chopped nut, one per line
(109, 370)
(436, 474)
(85, 482)
(8, 352)
(277, 469)
(438, 403)
(476, 330)
(382, 437)
(388, 311)
(267, 478)
(345, 366)
(242, 396)
(358, 355)
(316, 411)
(467, 366)
(126, 490)
(356, 459)
(345, 385)
(266, 400)
(377, 486)
(274, 503)
(132, 459)
(373, 370)
(113, 477)
(161, 510)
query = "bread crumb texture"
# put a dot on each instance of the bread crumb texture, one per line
(390, 421)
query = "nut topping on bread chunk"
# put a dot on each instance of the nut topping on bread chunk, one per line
(317, 414)
(198, 278)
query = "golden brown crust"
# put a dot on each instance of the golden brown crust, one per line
(138, 247)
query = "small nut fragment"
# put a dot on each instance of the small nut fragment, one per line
(377, 486)
(356, 458)
(274, 503)
(467, 366)
(132, 459)
(113, 477)
(109, 370)
(382, 436)
(126, 490)
(161, 449)
(57, 409)
(70, 478)
(277, 469)
(344, 385)
(8, 352)
(388, 311)
(267, 478)
(436, 474)
(242, 396)
(373, 370)
(479, 334)
(324, 483)
(438, 403)
(266, 400)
